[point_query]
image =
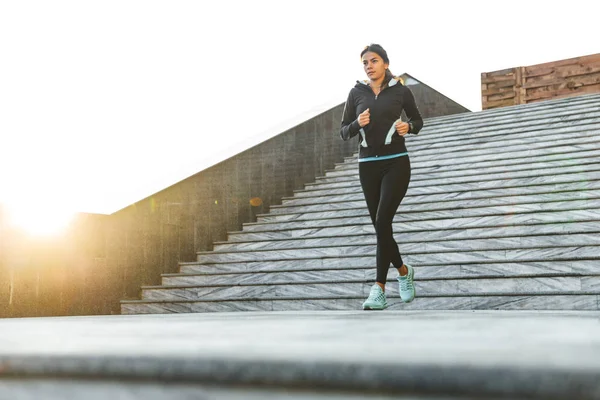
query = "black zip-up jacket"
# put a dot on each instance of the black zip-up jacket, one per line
(379, 137)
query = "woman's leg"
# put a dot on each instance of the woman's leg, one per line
(394, 184)
(370, 179)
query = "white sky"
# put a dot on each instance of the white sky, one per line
(103, 103)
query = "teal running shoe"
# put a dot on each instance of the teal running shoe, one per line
(376, 300)
(407, 286)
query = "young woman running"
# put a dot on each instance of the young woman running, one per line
(373, 111)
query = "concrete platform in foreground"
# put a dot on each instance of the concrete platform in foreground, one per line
(304, 355)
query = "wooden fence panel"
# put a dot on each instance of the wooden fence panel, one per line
(497, 88)
(557, 79)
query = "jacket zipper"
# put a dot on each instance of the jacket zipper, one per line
(377, 95)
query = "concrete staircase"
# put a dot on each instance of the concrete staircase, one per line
(503, 212)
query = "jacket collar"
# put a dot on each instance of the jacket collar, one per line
(392, 82)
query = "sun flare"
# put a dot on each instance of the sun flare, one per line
(47, 221)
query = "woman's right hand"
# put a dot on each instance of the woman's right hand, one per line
(364, 118)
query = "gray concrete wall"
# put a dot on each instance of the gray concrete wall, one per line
(104, 259)
(431, 102)
(151, 236)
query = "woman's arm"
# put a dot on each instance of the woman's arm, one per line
(415, 120)
(350, 126)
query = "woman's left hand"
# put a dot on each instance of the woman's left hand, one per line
(401, 128)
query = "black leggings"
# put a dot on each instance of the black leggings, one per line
(384, 184)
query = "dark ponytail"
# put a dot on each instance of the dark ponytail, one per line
(377, 49)
(387, 78)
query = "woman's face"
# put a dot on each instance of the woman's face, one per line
(373, 65)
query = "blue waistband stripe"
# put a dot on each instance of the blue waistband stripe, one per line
(382, 157)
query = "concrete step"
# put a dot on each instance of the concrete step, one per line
(460, 263)
(555, 242)
(572, 124)
(361, 287)
(310, 262)
(551, 202)
(462, 203)
(449, 230)
(506, 114)
(442, 168)
(507, 152)
(467, 175)
(435, 171)
(486, 207)
(367, 274)
(552, 130)
(352, 186)
(585, 102)
(473, 190)
(263, 356)
(498, 301)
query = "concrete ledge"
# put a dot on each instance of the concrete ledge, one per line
(486, 354)
(143, 389)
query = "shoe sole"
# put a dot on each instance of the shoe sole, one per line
(374, 307)
(367, 308)
(412, 278)
(413, 297)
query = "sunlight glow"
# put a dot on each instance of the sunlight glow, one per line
(39, 221)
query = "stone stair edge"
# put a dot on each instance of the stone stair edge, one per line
(372, 269)
(428, 154)
(547, 146)
(551, 156)
(521, 115)
(358, 234)
(538, 107)
(480, 261)
(408, 196)
(468, 161)
(454, 136)
(521, 127)
(282, 206)
(372, 281)
(365, 213)
(565, 156)
(471, 179)
(595, 159)
(524, 108)
(359, 237)
(421, 265)
(412, 253)
(361, 297)
(373, 244)
(359, 191)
